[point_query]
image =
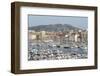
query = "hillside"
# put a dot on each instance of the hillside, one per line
(54, 27)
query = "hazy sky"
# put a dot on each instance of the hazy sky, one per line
(76, 21)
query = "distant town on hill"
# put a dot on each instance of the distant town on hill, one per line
(55, 27)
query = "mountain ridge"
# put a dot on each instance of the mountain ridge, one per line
(54, 27)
